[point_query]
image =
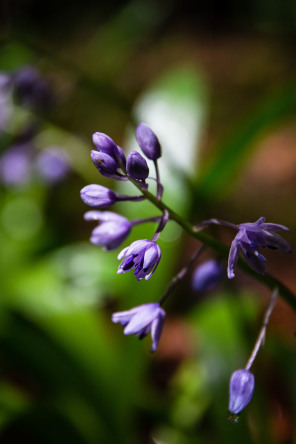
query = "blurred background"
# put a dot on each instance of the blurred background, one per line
(217, 83)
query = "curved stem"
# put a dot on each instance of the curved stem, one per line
(261, 336)
(207, 223)
(182, 273)
(163, 221)
(159, 191)
(268, 280)
(121, 197)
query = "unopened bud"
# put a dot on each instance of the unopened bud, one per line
(148, 142)
(136, 166)
(241, 388)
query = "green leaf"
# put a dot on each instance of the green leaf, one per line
(218, 176)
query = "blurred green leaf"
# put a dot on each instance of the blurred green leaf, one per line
(218, 176)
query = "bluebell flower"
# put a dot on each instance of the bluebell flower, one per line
(241, 388)
(136, 166)
(143, 256)
(252, 236)
(141, 320)
(207, 275)
(112, 230)
(148, 142)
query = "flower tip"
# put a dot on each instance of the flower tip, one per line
(230, 274)
(148, 141)
(241, 388)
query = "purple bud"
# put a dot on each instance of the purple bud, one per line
(105, 144)
(136, 166)
(106, 164)
(111, 231)
(98, 196)
(241, 388)
(207, 275)
(148, 142)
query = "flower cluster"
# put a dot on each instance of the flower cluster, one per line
(21, 161)
(143, 256)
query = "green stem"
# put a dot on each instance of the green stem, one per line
(268, 280)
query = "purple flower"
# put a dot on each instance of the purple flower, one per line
(98, 196)
(15, 164)
(111, 231)
(249, 238)
(142, 319)
(241, 388)
(148, 142)
(143, 256)
(52, 165)
(207, 275)
(136, 166)
(109, 157)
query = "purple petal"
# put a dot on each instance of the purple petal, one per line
(233, 257)
(146, 313)
(274, 227)
(123, 317)
(156, 329)
(255, 263)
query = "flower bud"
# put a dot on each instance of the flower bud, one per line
(241, 388)
(207, 275)
(98, 196)
(148, 142)
(104, 143)
(136, 166)
(106, 165)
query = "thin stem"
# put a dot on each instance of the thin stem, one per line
(207, 223)
(159, 191)
(261, 336)
(147, 219)
(163, 221)
(221, 249)
(120, 197)
(182, 273)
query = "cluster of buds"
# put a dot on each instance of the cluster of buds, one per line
(143, 255)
